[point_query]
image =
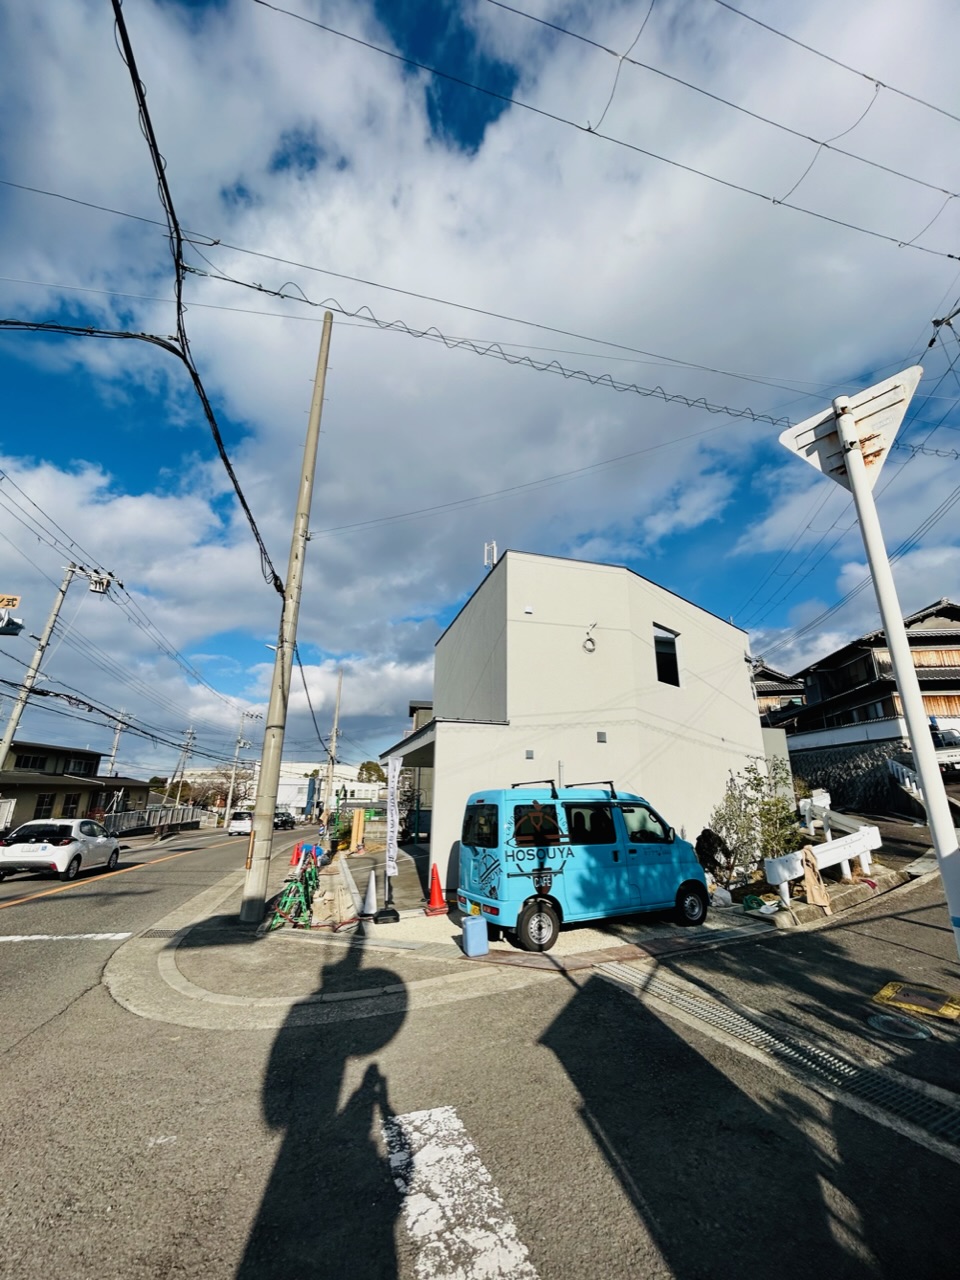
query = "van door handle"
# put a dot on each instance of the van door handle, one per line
(631, 850)
(616, 855)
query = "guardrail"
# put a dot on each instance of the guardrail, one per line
(862, 838)
(157, 815)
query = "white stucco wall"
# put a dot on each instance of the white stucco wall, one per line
(470, 683)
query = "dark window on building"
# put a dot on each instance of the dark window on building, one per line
(82, 765)
(44, 807)
(71, 804)
(32, 762)
(665, 648)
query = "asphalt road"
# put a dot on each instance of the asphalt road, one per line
(569, 1129)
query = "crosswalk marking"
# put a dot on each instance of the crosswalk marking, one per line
(452, 1209)
(65, 937)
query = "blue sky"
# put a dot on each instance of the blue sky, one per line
(294, 153)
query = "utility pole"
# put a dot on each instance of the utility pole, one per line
(261, 837)
(187, 748)
(30, 679)
(332, 753)
(233, 772)
(120, 726)
(849, 443)
(181, 760)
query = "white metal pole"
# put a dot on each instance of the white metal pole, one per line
(261, 837)
(939, 818)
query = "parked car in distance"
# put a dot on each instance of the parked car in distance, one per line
(241, 822)
(283, 821)
(62, 846)
(533, 857)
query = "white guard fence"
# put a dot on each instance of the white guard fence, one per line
(158, 815)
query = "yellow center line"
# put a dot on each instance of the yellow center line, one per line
(75, 884)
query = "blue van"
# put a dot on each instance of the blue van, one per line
(537, 855)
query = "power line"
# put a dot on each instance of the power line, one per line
(180, 347)
(124, 600)
(496, 351)
(825, 144)
(900, 241)
(827, 57)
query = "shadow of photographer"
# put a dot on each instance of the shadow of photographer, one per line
(331, 1204)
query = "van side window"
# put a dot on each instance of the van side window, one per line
(590, 824)
(480, 826)
(643, 825)
(535, 824)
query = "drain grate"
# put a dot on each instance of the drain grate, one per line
(934, 1116)
(160, 933)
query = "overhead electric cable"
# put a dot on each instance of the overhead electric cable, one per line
(825, 144)
(827, 57)
(901, 242)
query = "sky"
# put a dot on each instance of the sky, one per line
(521, 234)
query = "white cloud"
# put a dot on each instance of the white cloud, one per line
(542, 222)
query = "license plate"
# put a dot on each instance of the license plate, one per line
(474, 908)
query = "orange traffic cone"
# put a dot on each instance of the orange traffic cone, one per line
(437, 906)
(295, 853)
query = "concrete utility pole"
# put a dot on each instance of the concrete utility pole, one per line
(30, 679)
(120, 726)
(187, 748)
(181, 761)
(849, 443)
(332, 753)
(261, 837)
(233, 772)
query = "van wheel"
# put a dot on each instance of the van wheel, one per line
(538, 926)
(692, 902)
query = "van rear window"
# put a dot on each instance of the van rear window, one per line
(535, 824)
(480, 826)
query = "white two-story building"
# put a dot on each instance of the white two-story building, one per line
(561, 669)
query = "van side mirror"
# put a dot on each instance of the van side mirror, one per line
(671, 835)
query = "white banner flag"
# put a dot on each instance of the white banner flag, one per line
(393, 812)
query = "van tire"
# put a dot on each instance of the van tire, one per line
(692, 903)
(538, 926)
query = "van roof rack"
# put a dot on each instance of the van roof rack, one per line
(540, 782)
(608, 784)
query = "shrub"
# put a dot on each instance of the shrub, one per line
(756, 819)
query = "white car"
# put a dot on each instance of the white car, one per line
(62, 845)
(241, 823)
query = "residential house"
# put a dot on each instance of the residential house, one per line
(582, 672)
(852, 718)
(778, 695)
(46, 781)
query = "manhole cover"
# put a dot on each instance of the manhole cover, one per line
(892, 1024)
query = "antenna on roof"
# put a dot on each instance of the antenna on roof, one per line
(489, 554)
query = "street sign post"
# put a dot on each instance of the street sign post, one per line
(849, 443)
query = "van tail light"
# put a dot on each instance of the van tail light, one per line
(461, 900)
(64, 840)
(490, 911)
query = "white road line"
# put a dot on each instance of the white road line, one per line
(451, 1207)
(65, 937)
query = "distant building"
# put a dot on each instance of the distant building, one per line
(45, 781)
(583, 672)
(852, 718)
(778, 695)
